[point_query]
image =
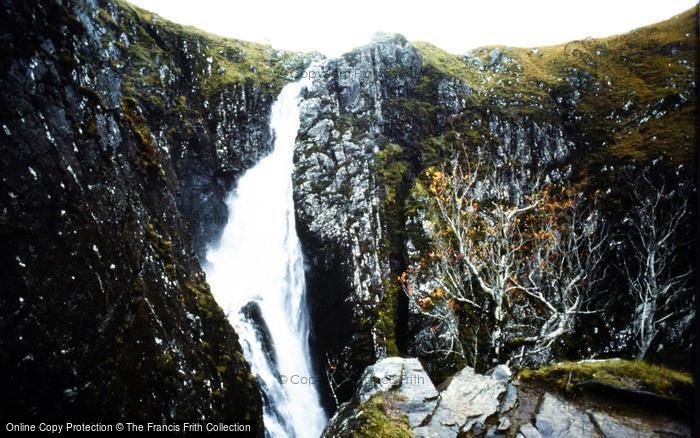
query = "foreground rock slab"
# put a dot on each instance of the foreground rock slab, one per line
(468, 401)
(402, 398)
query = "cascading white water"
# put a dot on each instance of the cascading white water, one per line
(258, 260)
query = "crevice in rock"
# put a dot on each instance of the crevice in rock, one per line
(329, 313)
(595, 424)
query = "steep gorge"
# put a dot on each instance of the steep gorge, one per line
(123, 133)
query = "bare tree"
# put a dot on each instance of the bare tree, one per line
(657, 284)
(438, 303)
(520, 257)
(337, 376)
(482, 218)
(566, 265)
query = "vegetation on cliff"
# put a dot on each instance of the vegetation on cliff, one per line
(591, 113)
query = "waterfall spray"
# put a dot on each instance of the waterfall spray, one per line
(256, 273)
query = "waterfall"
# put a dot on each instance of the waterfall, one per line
(256, 273)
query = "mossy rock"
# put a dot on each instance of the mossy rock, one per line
(627, 375)
(378, 418)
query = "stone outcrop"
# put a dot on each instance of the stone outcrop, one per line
(404, 380)
(489, 405)
(466, 403)
(337, 194)
(557, 417)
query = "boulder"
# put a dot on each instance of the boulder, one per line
(403, 381)
(527, 430)
(468, 401)
(557, 418)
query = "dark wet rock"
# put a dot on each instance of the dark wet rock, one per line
(252, 313)
(452, 95)
(376, 118)
(337, 195)
(120, 136)
(115, 147)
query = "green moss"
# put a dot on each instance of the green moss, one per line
(379, 419)
(667, 136)
(444, 62)
(347, 122)
(148, 151)
(642, 66)
(624, 374)
(422, 112)
(218, 62)
(519, 81)
(387, 315)
(105, 17)
(166, 362)
(171, 269)
(392, 171)
(203, 300)
(161, 245)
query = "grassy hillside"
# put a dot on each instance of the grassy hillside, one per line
(227, 61)
(636, 95)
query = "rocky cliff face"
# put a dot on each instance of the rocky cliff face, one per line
(374, 120)
(337, 193)
(121, 135)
